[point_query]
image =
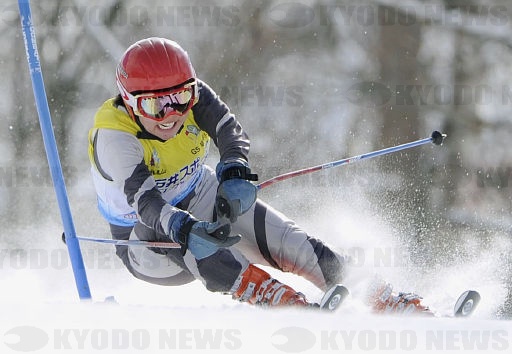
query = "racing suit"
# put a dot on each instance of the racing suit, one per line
(141, 181)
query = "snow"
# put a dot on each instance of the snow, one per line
(157, 328)
(41, 312)
(155, 323)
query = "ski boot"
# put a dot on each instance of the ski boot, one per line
(257, 287)
(382, 299)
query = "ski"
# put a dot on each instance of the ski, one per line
(333, 298)
(466, 303)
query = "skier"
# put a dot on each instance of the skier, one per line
(148, 148)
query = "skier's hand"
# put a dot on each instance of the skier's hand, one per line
(205, 238)
(201, 238)
(235, 194)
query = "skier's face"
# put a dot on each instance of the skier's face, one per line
(165, 129)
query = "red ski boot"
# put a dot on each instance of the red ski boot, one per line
(382, 299)
(256, 286)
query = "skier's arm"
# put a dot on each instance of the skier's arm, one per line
(129, 171)
(121, 158)
(213, 116)
(235, 194)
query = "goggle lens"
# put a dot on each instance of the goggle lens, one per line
(161, 106)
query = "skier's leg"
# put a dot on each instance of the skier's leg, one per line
(150, 265)
(226, 271)
(270, 238)
(229, 272)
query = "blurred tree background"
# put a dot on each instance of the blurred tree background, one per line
(311, 81)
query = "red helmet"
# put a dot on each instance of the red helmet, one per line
(155, 64)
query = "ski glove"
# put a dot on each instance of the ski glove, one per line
(235, 194)
(201, 238)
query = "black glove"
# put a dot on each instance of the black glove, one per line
(235, 194)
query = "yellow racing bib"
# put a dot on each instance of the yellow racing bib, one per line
(172, 162)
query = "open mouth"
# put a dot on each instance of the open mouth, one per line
(167, 126)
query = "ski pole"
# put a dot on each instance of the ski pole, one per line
(140, 243)
(436, 138)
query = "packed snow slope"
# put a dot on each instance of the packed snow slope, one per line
(187, 319)
(41, 312)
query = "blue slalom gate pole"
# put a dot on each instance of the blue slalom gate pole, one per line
(52, 154)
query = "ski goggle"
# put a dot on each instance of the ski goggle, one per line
(163, 103)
